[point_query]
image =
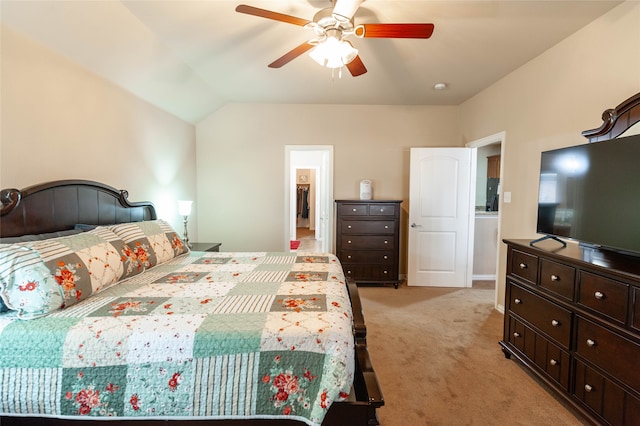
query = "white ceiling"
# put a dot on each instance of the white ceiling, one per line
(192, 57)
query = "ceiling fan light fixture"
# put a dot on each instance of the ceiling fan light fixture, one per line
(333, 53)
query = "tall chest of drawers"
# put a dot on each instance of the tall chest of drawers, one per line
(572, 316)
(368, 240)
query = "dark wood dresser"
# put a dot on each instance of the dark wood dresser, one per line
(572, 316)
(368, 240)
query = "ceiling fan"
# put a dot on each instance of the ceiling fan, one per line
(331, 27)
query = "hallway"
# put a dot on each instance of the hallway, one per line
(307, 240)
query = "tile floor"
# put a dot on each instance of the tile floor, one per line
(307, 239)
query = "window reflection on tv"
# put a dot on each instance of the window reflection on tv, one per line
(591, 193)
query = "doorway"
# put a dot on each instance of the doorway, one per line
(436, 267)
(487, 230)
(315, 162)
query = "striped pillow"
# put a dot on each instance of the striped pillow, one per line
(154, 241)
(78, 265)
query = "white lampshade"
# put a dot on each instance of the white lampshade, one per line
(184, 207)
(333, 53)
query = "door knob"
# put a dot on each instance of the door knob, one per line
(414, 225)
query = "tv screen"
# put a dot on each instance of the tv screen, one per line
(591, 193)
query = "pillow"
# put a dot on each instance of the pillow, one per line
(26, 284)
(38, 237)
(80, 265)
(154, 241)
(84, 227)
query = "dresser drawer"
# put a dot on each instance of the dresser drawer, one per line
(353, 209)
(610, 351)
(608, 297)
(547, 316)
(370, 272)
(380, 227)
(558, 278)
(371, 242)
(635, 310)
(553, 360)
(604, 397)
(383, 257)
(382, 209)
(524, 266)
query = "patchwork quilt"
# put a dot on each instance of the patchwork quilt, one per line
(204, 335)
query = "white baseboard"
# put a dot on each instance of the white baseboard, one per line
(483, 277)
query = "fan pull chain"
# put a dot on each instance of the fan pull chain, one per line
(333, 73)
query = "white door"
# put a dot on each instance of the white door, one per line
(441, 217)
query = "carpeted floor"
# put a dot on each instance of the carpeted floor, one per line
(436, 355)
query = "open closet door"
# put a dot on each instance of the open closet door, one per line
(441, 217)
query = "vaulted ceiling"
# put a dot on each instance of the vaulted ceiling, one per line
(191, 57)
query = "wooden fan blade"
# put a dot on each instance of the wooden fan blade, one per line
(263, 13)
(291, 55)
(394, 30)
(356, 67)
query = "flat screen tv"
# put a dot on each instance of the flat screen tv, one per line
(591, 193)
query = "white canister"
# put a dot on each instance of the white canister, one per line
(365, 189)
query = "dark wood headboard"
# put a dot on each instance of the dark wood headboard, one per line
(60, 205)
(616, 120)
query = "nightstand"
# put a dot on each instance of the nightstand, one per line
(205, 246)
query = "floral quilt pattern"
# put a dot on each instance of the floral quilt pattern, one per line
(205, 335)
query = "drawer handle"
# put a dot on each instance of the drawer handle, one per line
(348, 272)
(386, 227)
(555, 323)
(385, 272)
(555, 278)
(349, 226)
(553, 362)
(385, 257)
(386, 242)
(349, 257)
(591, 343)
(523, 266)
(354, 210)
(516, 334)
(381, 210)
(517, 301)
(588, 388)
(598, 295)
(349, 242)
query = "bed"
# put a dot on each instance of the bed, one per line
(126, 324)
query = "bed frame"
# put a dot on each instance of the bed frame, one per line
(60, 205)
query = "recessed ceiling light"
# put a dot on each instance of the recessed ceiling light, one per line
(440, 86)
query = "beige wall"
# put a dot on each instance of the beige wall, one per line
(547, 103)
(241, 160)
(71, 124)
